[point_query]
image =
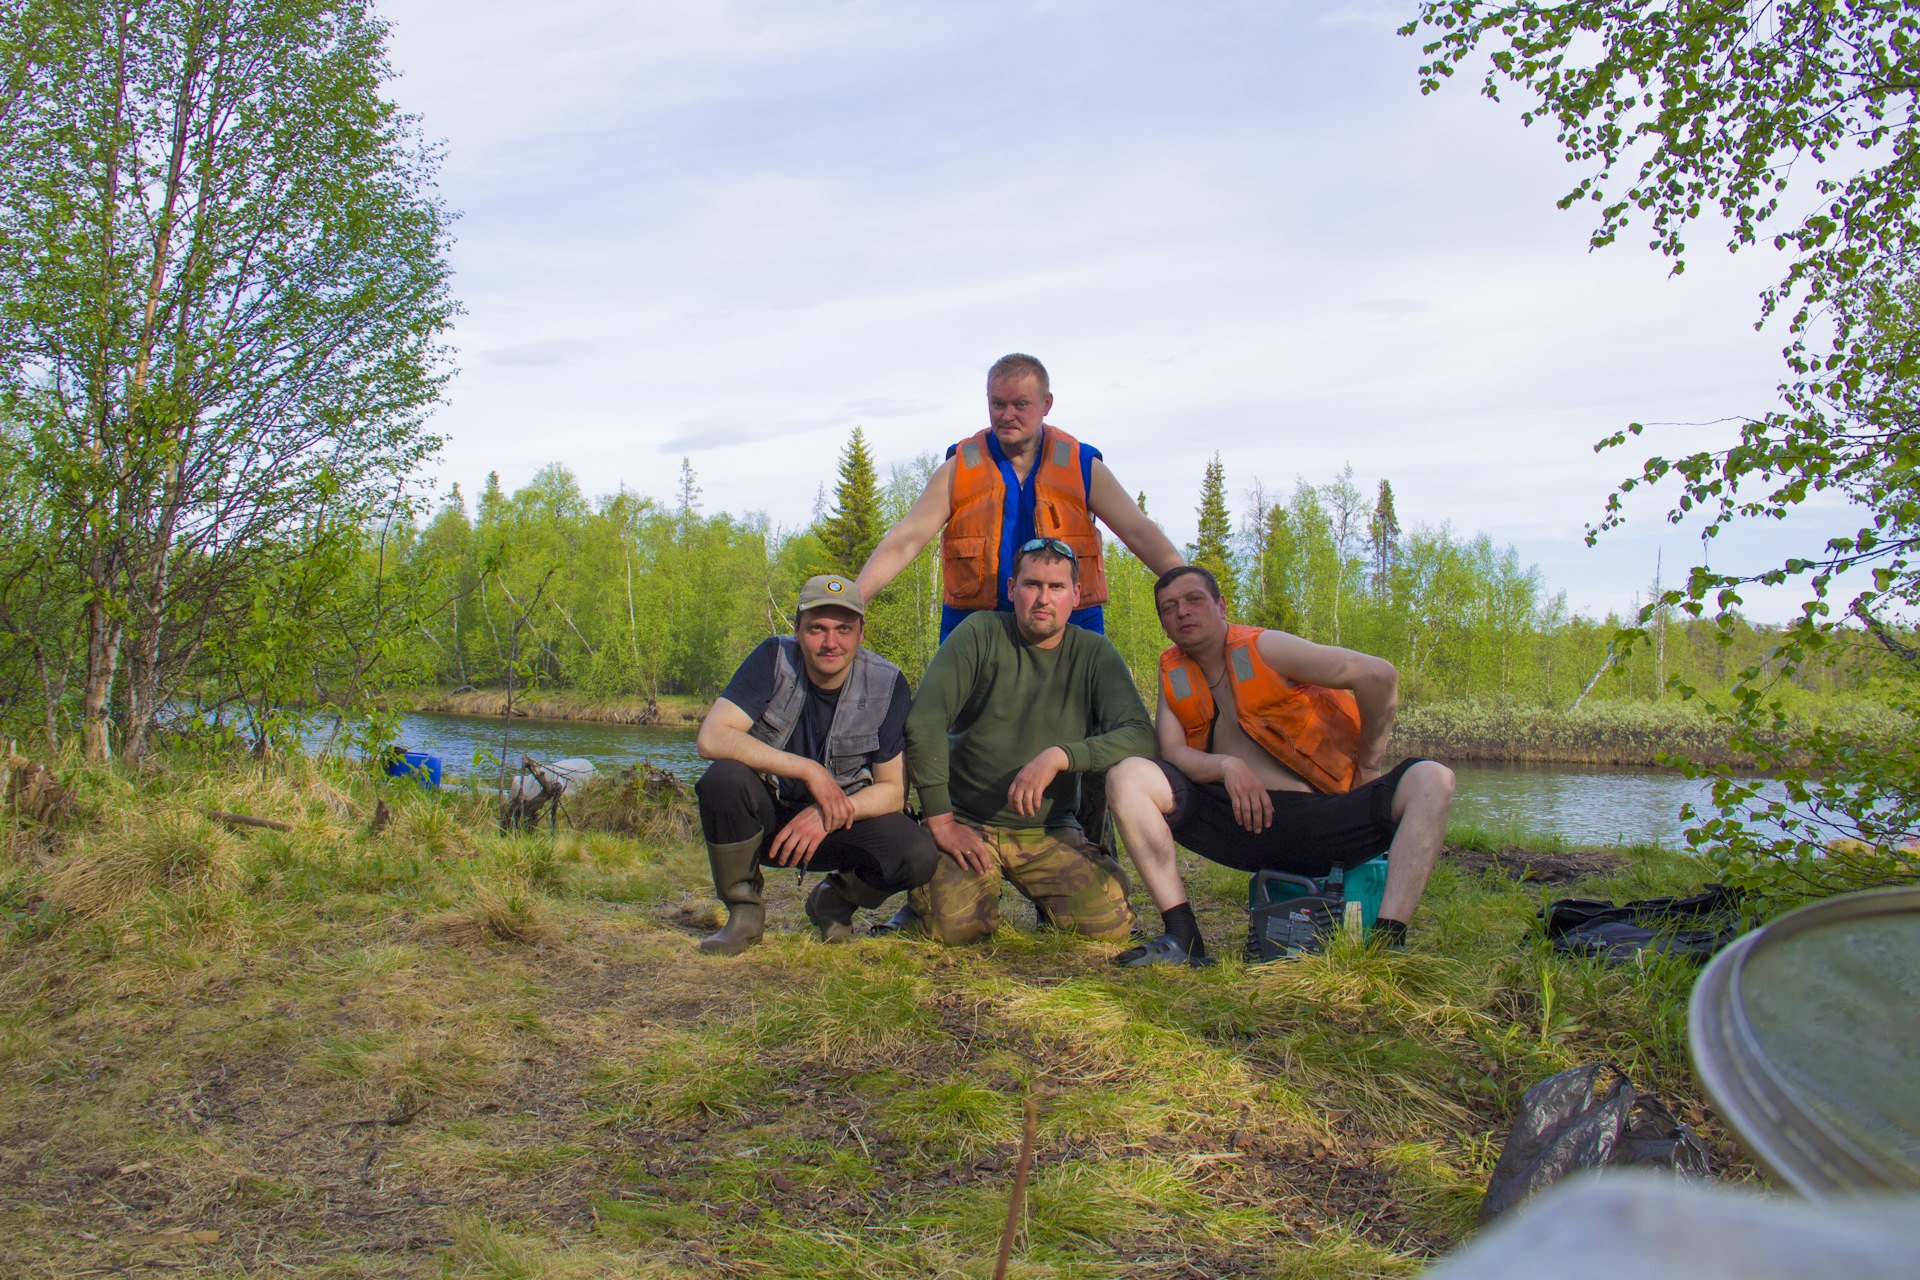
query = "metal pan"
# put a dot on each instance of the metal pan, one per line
(1806, 1035)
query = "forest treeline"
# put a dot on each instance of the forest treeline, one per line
(624, 595)
(643, 597)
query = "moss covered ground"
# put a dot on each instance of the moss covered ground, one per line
(441, 1050)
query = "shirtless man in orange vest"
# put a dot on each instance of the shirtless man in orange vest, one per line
(1270, 749)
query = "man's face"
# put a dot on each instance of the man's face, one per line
(1015, 409)
(829, 638)
(1044, 595)
(1189, 614)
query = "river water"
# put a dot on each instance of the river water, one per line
(1584, 804)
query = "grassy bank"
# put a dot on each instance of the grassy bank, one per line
(1614, 732)
(438, 1050)
(672, 710)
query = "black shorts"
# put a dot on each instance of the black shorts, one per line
(1312, 832)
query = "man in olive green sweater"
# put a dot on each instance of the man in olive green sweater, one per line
(1013, 708)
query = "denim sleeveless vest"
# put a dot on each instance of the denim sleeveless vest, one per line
(854, 737)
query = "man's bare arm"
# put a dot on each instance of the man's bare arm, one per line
(1172, 737)
(1252, 806)
(888, 794)
(1120, 513)
(906, 539)
(724, 736)
(1374, 682)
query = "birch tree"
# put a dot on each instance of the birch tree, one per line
(223, 283)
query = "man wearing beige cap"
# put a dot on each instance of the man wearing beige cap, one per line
(806, 744)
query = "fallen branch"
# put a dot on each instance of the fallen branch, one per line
(242, 820)
(1018, 1200)
(395, 1120)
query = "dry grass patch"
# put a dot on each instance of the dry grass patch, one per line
(509, 913)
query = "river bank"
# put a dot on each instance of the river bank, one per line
(668, 710)
(1600, 733)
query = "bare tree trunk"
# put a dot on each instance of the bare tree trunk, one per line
(103, 660)
(50, 696)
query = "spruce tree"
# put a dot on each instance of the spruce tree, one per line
(853, 530)
(1383, 538)
(1213, 551)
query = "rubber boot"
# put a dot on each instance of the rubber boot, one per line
(834, 900)
(737, 880)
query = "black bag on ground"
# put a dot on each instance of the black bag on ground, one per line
(1694, 927)
(1562, 1129)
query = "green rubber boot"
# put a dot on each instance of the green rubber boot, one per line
(834, 900)
(737, 880)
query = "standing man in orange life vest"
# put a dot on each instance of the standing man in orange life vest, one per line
(1018, 479)
(1270, 749)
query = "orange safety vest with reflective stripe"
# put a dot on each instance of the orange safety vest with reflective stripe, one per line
(1313, 731)
(970, 544)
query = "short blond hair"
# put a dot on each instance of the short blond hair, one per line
(1018, 365)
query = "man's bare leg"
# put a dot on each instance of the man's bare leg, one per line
(1140, 798)
(1420, 806)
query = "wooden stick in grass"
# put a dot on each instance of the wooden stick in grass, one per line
(244, 820)
(1019, 1189)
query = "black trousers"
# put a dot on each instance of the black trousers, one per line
(891, 852)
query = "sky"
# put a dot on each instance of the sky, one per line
(732, 232)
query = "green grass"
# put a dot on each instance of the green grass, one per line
(445, 1051)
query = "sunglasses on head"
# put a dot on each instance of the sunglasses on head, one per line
(1049, 544)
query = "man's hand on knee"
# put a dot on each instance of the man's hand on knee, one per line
(1030, 785)
(1252, 806)
(960, 842)
(799, 839)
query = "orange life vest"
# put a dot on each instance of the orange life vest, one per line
(1313, 731)
(970, 544)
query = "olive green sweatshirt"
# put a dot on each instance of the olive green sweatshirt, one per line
(990, 702)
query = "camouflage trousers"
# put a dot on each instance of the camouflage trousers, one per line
(1072, 886)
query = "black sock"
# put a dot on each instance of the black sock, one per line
(1179, 922)
(1394, 931)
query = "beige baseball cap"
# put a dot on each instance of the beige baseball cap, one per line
(831, 588)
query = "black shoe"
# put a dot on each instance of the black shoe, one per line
(1162, 950)
(904, 924)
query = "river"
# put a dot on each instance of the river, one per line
(1581, 803)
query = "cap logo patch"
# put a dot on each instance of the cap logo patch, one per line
(833, 586)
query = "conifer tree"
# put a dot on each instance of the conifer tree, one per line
(853, 530)
(1213, 550)
(689, 489)
(1383, 538)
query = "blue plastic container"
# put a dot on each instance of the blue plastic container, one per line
(418, 765)
(1365, 884)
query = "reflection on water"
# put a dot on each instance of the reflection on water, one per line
(456, 739)
(1586, 804)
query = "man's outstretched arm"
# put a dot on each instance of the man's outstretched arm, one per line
(907, 538)
(1120, 513)
(1374, 683)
